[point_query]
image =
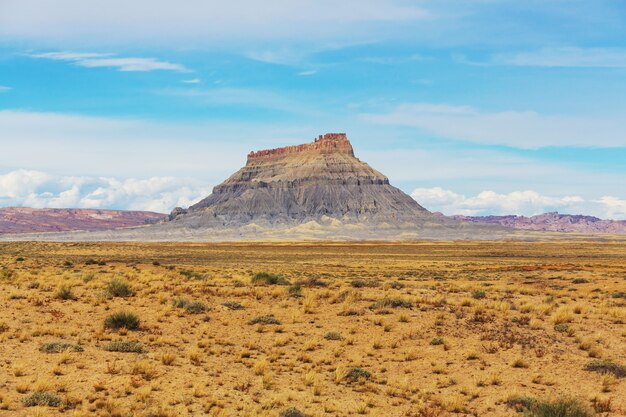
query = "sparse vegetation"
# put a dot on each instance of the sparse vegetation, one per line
(292, 412)
(124, 346)
(425, 348)
(357, 374)
(42, 399)
(606, 367)
(268, 279)
(333, 336)
(391, 303)
(58, 347)
(557, 408)
(118, 288)
(264, 320)
(191, 307)
(233, 305)
(122, 320)
(478, 294)
(65, 293)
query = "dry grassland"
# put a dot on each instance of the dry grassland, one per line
(411, 329)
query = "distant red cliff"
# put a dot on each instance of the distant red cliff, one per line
(328, 143)
(33, 220)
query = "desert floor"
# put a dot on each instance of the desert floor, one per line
(379, 329)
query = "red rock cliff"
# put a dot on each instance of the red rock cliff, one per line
(328, 143)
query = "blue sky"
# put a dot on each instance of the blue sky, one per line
(472, 107)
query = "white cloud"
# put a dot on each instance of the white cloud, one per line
(208, 20)
(38, 189)
(192, 81)
(129, 147)
(99, 60)
(70, 56)
(526, 203)
(4, 89)
(520, 129)
(307, 73)
(566, 57)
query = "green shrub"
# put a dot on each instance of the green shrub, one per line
(580, 281)
(361, 283)
(333, 336)
(558, 408)
(478, 294)
(264, 320)
(437, 341)
(561, 327)
(68, 264)
(193, 275)
(521, 403)
(42, 399)
(295, 290)
(391, 302)
(606, 367)
(291, 412)
(195, 307)
(118, 288)
(191, 307)
(396, 285)
(91, 262)
(65, 293)
(233, 305)
(6, 273)
(312, 282)
(268, 279)
(124, 346)
(19, 259)
(619, 294)
(356, 374)
(58, 347)
(122, 319)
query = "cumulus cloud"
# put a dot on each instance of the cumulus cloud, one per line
(526, 203)
(39, 189)
(100, 60)
(520, 129)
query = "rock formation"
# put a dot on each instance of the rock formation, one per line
(552, 222)
(31, 220)
(302, 183)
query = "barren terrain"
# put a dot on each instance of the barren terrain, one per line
(330, 329)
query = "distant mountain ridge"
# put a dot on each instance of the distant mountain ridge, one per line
(550, 222)
(41, 220)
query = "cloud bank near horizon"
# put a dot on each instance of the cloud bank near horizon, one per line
(527, 203)
(30, 188)
(38, 189)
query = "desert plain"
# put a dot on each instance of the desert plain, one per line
(312, 329)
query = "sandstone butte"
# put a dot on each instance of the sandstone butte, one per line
(305, 182)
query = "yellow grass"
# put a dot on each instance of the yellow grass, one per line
(441, 328)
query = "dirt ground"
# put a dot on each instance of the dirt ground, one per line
(379, 329)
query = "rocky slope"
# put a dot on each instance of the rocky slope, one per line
(31, 220)
(552, 222)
